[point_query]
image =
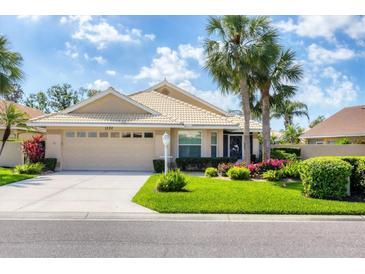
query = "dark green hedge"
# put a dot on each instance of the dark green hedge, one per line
(291, 150)
(282, 155)
(200, 164)
(49, 163)
(158, 165)
(325, 177)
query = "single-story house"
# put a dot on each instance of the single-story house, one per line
(112, 131)
(21, 133)
(347, 123)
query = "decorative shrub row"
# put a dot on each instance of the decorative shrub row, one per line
(282, 155)
(200, 164)
(261, 167)
(291, 150)
(32, 168)
(325, 177)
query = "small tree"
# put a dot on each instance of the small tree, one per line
(34, 149)
(291, 134)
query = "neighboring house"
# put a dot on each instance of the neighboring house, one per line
(347, 123)
(19, 133)
(112, 131)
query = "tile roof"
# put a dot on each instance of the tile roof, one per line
(349, 121)
(254, 125)
(32, 112)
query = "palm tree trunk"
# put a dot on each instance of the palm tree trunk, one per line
(286, 121)
(245, 94)
(5, 138)
(266, 146)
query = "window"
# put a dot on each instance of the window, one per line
(70, 134)
(137, 134)
(92, 134)
(148, 135)
(190, 143)
(81, 134)
(103, 134)
(213, 144)
(114, 135)
(126, 135)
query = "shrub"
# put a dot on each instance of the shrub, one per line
(357, 177)
(273, 175)
(343, 141)
(282, 155)
(325, 178)
(294, 150)
(261, 167)
(32, 168)
(174, 180)
(238, 173)
(34, 149)
(223, 168)
(159, 165)
(291, 169)
(49, 163)
(201, 163)
(211, 172)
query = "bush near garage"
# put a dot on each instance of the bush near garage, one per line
(239, 173)
(32, 168)
(201, 163)
(173, 181)
(49, 163)
(325, 178)
(211, 172)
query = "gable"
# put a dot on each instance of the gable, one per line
(173, 91)
(110, 104)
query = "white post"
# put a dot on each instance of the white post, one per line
(166, 142)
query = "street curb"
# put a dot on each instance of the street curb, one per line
(120, 216)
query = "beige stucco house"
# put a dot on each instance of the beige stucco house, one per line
(112, 131)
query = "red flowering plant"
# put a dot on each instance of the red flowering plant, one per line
(34, 148)
(261, 167)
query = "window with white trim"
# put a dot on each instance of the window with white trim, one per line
(103, 134)
(213, 144)
(92, 134)
(114, 134)
(126, 135)
(190, 143)
(137, 134)
(148, 135)
(70, 134)
(81, 134)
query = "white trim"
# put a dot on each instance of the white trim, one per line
(190, 95)
(216, 145)
(333, 136)
(110, 90)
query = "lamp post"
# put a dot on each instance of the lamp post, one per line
(166, 142)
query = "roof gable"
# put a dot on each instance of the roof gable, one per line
(31, 112)
(171, 90)
(110, 101)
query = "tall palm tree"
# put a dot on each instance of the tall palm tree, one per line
(234, 45)
(288, 109)
(10, 72)
(277, 70)
(11, 117)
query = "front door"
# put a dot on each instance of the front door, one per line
(235, 146)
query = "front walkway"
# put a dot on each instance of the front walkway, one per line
(76, 191)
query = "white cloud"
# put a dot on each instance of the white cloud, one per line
(315, 26)
(33, 18)
(99, 59)
(102, 33)
(99, 85)
(215, 97)
(340, 91)
(188, 51)
(111, 72)
(321, 55)
(168, 65)
(71, 50)
(357, 28)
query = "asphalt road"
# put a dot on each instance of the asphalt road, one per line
(51, 238)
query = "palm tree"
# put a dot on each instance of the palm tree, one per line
(292, 133)
(11, 117)
(10, 72)
(235, 44)
(316, 121)
(288, 109)
(277, 72)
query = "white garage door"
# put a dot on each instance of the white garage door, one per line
(107, 151)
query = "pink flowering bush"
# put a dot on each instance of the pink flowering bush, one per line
(34, 149)
(261, 167)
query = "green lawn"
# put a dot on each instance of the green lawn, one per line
(205, 195)
(7, 176)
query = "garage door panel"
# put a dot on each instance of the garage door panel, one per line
(108, 154)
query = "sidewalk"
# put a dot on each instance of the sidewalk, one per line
(118, 216)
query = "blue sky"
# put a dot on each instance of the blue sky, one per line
(131, 53)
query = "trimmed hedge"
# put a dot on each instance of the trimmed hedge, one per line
(325, 177)
(200, 164)
(173, 181)
(211, 172)
(291, 150)
(159, 165)
(238, 173)
(49, 163)
(282, 155)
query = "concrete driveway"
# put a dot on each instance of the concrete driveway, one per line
(76, 191)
